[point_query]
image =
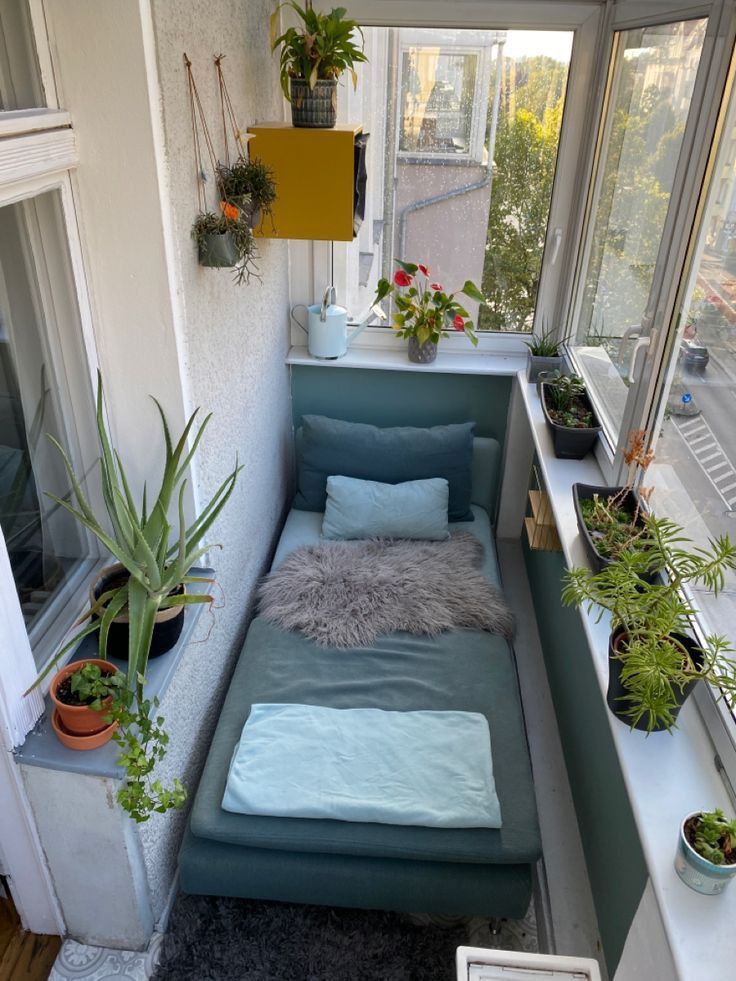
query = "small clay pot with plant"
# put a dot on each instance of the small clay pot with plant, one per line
(82, 694)
(569, 416)
(706, 851)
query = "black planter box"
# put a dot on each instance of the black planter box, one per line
(618, 698)
(586, 492)
(570, 443)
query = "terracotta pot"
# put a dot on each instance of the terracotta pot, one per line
(167, 627)
(71, 741)
(80, 720)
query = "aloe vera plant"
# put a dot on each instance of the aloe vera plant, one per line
(157, 555)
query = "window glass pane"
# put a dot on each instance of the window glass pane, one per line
(48, 551)
(653, 84)
(20, 78)
(464, 133)
(696, 452)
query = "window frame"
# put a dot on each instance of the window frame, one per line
(314, 264)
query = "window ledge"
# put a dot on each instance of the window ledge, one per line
(42, 748)
(395, 359)
(666, 776)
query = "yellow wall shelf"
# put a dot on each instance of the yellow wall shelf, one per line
(314, 170)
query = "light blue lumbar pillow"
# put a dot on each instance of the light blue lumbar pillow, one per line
(369, 509)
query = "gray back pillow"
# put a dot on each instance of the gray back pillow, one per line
(327, 447)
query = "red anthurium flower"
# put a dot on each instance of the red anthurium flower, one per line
(458, 323)
(402, 278)
(435, 286)
(423, 269)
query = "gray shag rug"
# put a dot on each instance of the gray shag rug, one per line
(220, 939)
(345, 594)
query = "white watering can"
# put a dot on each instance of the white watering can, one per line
(327, 326)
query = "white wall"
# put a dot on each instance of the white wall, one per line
(165, 326)
(235, 343)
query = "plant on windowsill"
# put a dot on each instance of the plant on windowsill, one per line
(569, 415)
(424, 311)
(225, 241)
(544, 353)
(249, 186)
(611, 519)
(313, 57)
(653, 660)
(706, 852)
(82, 694)
(157, 555)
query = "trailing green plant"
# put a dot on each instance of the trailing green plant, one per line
(233, 221)
(713, 836)
(248, 184)
(157, 552)
(653, 616)
(321, 47)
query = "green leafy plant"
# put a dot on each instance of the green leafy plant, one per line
(567, 401)
(157, 555)
(92, 686)
(545, 344)
(321, 47)
(653, 617)
(423, 309)
(713, 836)
(248, 184)
(235, 222)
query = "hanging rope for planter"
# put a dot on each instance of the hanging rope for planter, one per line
(224, 238)
(246, 183)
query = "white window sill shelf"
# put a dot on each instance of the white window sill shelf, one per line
(42, 748)
(395, 359)
(667, 776)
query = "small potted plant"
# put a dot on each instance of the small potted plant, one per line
(424, 311)
(157, 555)
(706, 851)
(313, 57)
(610, 519)
(249, 186)
(653, 660)
(544, 353)
(82, 694)
(569, 416)
(225, 241)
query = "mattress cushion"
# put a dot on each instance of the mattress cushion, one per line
(468, 671)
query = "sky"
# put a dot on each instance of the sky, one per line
(556, 44)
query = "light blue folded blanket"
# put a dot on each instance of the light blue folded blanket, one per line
(432, 769)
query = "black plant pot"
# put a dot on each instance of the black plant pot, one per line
(570, 443)
(314, 108)
(166, 630)
(586, 492)
(617, 697)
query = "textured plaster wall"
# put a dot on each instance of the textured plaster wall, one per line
(233, 345)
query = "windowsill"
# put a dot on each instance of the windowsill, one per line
(395, 359)
(42, 748)
(666, 776)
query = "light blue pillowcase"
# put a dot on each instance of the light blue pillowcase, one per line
(369, 509)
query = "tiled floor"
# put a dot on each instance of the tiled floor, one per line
(77, 962)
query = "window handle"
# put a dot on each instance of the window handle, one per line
(641, 343)
(556, 242)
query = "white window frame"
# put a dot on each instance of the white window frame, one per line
(38, 154)
(315, 264)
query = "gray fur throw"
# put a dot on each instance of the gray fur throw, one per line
(345, 594)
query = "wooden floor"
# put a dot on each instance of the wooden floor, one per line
(23, 956)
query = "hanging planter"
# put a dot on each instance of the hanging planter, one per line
(216, 249)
